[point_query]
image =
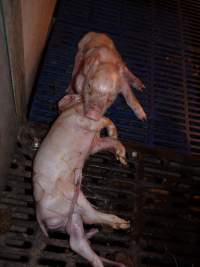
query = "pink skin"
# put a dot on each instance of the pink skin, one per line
(97, 51)
(57, 174)
(93, 115)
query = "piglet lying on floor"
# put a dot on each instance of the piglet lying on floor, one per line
(96, 51)
(57, 174)
(99, 75)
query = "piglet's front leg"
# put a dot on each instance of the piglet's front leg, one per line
(135, 81)
(109, 143)
(132, 101)
(68, 101)
(113, 145)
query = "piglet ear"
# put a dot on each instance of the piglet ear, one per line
(132, 79)
(68, 101)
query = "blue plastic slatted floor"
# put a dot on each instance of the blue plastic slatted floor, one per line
(159, 41)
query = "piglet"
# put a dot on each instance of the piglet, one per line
(95, 52)
(57, 175)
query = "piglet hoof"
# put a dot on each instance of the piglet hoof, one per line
(68, 101)
(118, 223)
(122, 160)
(138, 85)
(143, 117)
(140, 114)
(121, 154)
(91, 233)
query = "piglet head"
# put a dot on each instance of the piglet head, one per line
(100, 91)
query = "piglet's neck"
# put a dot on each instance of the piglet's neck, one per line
(79, 109)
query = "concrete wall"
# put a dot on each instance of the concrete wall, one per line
(8, 121)
(36, 18)
(24, 26)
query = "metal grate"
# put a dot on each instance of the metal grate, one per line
(159, 40)
(158, 192)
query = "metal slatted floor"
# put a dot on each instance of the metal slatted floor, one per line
(158, 192)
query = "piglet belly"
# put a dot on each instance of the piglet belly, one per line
(53, 207)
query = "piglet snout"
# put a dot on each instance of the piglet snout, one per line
(93, 115)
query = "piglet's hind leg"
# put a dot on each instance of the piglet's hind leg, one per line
(79, 242)
(93, 216)
(78, 179)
